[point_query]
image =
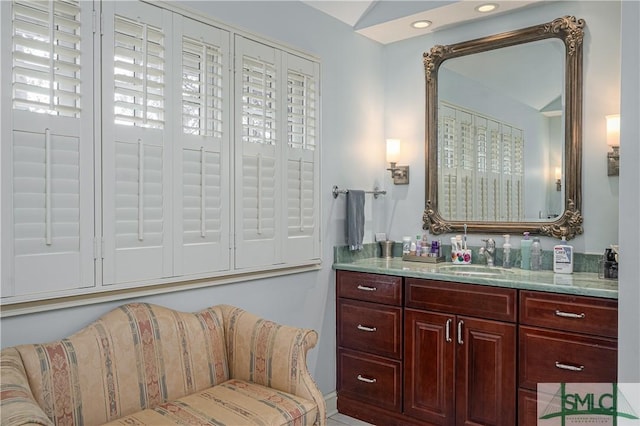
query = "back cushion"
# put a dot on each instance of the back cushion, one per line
(135, 357)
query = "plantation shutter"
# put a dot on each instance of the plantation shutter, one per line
(258, 151)
(202, 149)
(302, 157)
(48, 158)
(136, 158)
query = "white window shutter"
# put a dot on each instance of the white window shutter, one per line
(258, 150)
(47, 165)
(301, 175)
(137, 200)
(201, 152)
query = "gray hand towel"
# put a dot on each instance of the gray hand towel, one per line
(355, 219)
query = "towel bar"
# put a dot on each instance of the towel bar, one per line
(376, 191)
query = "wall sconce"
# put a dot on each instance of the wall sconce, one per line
(613, 140)
(558, 173)
(399, 174)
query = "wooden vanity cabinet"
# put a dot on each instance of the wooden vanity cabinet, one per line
(369, 337)
(460, 353)
(426, 352)
(564, 338)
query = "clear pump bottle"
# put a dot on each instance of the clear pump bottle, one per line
(536, 254)
(525, 252)
(506, 252)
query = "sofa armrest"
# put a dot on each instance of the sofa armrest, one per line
(16, 399)
(271, 354)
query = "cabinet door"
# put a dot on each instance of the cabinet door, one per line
(429, 366)
(485, 372)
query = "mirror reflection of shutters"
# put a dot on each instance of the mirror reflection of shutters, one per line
(258, 208)
(301, 193)
(202, 149)
(48, 162)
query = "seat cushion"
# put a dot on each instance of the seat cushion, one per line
(235, 402)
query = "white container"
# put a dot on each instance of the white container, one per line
(406, 245)
(563, 258)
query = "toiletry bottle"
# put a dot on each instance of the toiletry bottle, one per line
(536, 255)
(506, 252)
(454, 249)
(563, 258)
(525, 252)
(418, 245)
(425, 245)
(406, 245)
(412, 249)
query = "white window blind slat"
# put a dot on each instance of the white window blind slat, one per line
(47, 35)
(139, 73)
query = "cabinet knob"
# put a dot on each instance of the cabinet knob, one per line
(366, 379)
(569, 367)
(570, 315)
(460, 324)
(366, 288)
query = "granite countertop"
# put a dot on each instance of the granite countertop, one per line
(578, 283)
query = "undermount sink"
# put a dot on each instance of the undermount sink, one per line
(474, 270)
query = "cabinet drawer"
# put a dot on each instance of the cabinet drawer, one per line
(370, 327)
(527, 408)
(570, 313)
(372, 379)
(548, 356)
(465, 299)
(370, 287)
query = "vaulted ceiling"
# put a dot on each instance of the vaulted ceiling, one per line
(388, 21)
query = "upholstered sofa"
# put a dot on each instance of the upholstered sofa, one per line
(143, 364)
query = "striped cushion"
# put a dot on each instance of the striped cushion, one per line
(235, 402)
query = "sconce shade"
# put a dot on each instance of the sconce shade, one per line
(613, 130)
(558, 173)
(393, 150)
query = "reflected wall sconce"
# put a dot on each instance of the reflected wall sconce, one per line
(613, 140)
(399, 174)
(558, 174)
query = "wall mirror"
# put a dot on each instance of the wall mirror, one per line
(504, 132)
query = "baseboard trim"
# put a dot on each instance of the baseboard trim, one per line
(331, 400)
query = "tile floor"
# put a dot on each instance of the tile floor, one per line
(342, 420)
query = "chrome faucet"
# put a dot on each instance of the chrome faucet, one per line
(488, 250)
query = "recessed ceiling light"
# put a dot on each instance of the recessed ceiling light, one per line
(487, 7)
(421, 24)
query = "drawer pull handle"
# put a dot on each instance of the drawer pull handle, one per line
(366, 379)
(570, 315)
(569, 367)
(447, 330)
(366, 288)
(460, 324)
(365, 328)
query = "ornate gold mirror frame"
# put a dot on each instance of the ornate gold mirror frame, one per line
(570, 31)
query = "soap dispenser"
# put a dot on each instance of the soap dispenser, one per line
(506, 252)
